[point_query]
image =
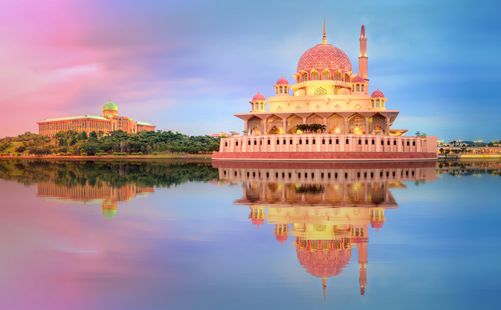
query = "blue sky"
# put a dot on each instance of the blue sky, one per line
(190, 66)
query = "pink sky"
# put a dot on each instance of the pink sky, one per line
(54, 63)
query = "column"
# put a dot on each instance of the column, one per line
(346, 129)
(245, 127)
(367, 131)
(284, 125)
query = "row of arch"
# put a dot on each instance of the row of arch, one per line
(326, 74)
(334, 124)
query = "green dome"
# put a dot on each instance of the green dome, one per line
(109, 213)
(110, 105)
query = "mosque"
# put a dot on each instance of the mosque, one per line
(328, 113)
(109, 121)
(326, 210)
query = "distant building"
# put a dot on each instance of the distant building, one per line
(109, 121)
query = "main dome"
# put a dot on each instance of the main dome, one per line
(324, 56)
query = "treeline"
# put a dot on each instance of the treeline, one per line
(117, 143)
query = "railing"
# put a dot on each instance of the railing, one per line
(327, 143)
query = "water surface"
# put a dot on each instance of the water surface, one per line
(174, 235)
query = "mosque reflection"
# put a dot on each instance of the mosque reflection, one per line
(326, 209)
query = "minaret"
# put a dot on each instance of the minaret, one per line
(324, 37)
(362, 263)
(324, 288)
(362, 58)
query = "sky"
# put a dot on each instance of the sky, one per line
(190, 65)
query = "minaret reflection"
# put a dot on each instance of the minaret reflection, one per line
(102, 193)
(326, 208)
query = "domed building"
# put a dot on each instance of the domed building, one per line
(328, 113)
(109, 121)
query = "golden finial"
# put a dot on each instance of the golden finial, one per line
(324, 37)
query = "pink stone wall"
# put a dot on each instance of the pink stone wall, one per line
(326, 147)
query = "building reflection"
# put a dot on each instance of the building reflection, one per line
(101, 194)
(326, 209)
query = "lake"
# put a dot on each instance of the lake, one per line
(197, 235)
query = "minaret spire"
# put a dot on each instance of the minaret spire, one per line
(324, 37)
(362, 58)
(324, 288)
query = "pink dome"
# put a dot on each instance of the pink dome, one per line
(258, 96)
(282, 81)
(358, 79)
(324, 56)
(377, 94)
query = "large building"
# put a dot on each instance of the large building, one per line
(327, 114)
(109, 121)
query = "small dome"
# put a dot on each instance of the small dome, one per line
(377, 94)
(282, 81)
(110, 105)
(358, 79)
(377, 224)
(281, 238)
(258, 96)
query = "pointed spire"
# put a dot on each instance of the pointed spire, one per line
(324, 288)
(324, 37)
(362, 32)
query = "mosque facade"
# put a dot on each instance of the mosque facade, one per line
(328, 113)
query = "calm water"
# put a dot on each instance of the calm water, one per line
(84, 235)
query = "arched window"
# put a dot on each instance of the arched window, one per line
(347, 77)
(314, 75)
(281, 89)
(338, 76)
(326, 75)
(362, 87)
(304, 77)
(358, 87)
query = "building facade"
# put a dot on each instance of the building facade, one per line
(109, 121)
(327, 114)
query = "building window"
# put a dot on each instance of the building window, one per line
(347, 141)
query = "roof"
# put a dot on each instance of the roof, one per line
(377, 94)
(324, 56)
(358, 79)
(282, 81)
(110, 105)
(258, 96)
(144, 124)
(74, 118)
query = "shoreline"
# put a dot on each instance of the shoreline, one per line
(109, 157)
(204, 157)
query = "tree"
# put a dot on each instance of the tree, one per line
(83, 135)
(93, 135)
